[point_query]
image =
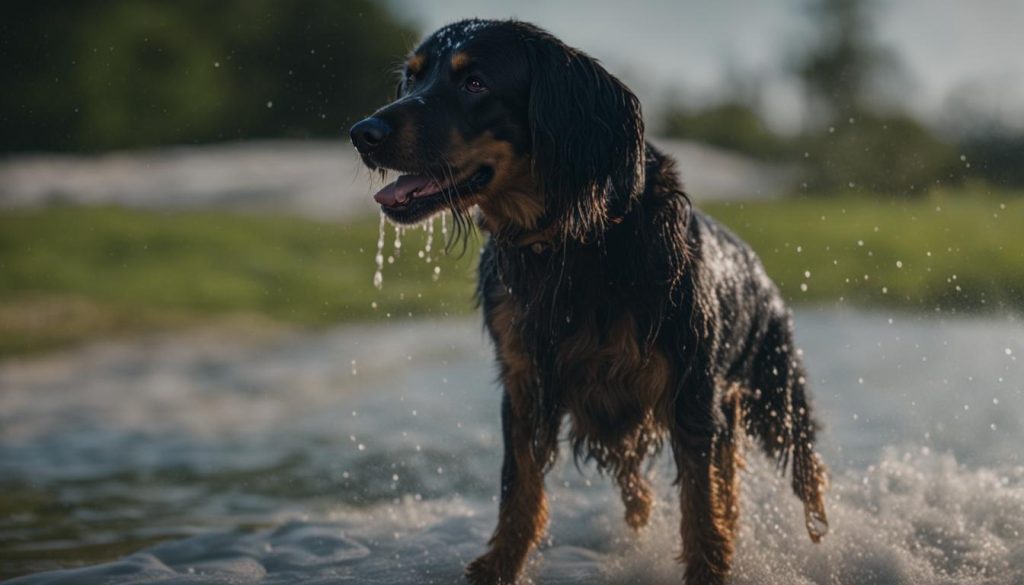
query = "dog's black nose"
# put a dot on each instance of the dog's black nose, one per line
(369, 134)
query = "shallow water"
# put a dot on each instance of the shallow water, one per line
(371, 454)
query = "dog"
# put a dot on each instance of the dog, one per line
(614, 305)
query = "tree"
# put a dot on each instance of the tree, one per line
(840, 70)
(100, 74)
(729, 124)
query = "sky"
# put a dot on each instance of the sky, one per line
(949, 51)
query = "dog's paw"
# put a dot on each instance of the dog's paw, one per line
(638, 512)
(638, 500)
(703, 574)
(816, 522)
(487, 570)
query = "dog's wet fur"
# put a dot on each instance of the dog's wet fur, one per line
(614, 305)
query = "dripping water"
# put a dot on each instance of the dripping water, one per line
(429, 228)
(378, 276)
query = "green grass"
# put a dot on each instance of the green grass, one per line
(68, 274)
(949, 251)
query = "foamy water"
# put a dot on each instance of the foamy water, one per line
(371, 455)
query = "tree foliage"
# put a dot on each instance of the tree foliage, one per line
(850, 139)
(840, 71)
(100, 74)
(730, 124)
(888, 154)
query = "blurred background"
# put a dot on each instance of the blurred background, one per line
(191, 344)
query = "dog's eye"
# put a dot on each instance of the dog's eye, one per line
(474, 85)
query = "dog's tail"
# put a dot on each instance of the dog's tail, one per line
(779, 416)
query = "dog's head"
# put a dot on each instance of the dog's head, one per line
(503, 115)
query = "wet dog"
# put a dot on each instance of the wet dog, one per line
(614, 305)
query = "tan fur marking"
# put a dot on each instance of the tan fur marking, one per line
(709, 498)
(728, 460)
(637, 496)
(460, 60)
(415, 63)
(707, 538)
(511, 196)
(518, 373)
(614, 378)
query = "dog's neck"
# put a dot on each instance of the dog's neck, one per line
(516, 218)
(512, 210)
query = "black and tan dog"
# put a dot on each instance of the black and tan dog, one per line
(612, 303)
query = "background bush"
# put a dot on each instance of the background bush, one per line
(731, 125)
(101, 74)
(891, 154)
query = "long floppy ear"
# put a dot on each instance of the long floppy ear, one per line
(587, 138)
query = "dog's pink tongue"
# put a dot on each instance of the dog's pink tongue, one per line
(400, 191)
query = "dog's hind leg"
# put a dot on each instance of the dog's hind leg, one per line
(780, 417)
(709, 499)
(727, 452)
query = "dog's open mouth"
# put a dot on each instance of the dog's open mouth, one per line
(413, 197)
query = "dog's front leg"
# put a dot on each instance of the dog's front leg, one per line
(523, 512)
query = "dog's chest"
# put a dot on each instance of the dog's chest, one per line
(605, 379)
(613, 383)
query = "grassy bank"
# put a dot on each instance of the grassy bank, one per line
(948, 252)
(68, 274)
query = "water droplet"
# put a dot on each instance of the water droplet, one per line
(378, 276)
(425, 254)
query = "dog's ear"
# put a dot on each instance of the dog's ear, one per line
(587, 137)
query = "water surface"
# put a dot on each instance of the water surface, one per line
(371, 455)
